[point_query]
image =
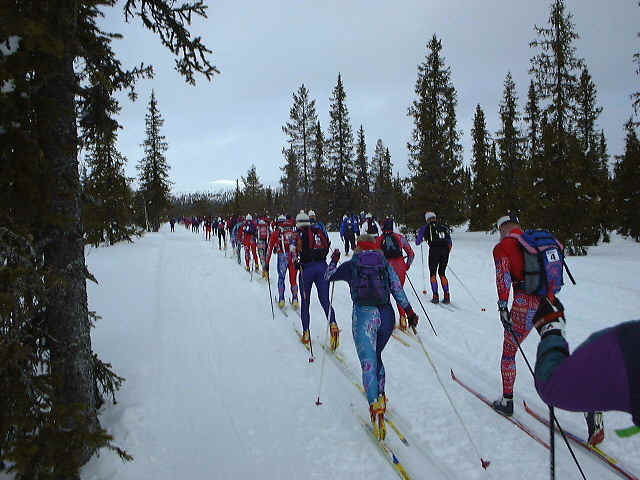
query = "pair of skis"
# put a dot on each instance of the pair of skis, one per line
(594, 451)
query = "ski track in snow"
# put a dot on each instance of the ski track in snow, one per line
(216, 388)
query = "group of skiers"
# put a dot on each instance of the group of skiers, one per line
(602, 374)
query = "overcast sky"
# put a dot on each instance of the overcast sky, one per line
(266, 50)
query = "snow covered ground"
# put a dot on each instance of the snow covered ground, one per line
(216, 388)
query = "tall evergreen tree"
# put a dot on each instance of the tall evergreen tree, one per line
(532, 119)
(253, 192)
(155, 185)
(361, 190)
(340, 153)
(299, 130)
(626, 185)
(57, 50)
(290, 180)
(381, 177)
(434, 147)
(320, 176)
(482, 211)
(509, 140)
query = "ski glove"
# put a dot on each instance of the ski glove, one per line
(412, 318)
(505, 316)
(335, 256)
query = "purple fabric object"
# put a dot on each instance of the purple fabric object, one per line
(311, 273)
(593, 378)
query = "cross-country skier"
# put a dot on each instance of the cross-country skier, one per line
(313, 247)
(263, 232)
(349, 230)
(602, 374)
(371, 280)
(281, 243)
(438, 237)
(222, 236)
(371, 226)
(393, 245)
(236, 237)
(172, 222)
(249, 234)
(315, 221)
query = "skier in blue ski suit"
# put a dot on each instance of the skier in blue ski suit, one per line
(372, 325)
(349, 230)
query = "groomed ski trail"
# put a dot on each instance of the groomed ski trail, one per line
(212, 329)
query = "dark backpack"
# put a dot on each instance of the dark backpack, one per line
(391, 246)
(370, 285)
(543, 262)
(372, 228)
(316, 244)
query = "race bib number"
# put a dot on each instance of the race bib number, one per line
(552, 255)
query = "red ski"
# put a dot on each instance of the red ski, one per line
(513, 420)
(595, 451)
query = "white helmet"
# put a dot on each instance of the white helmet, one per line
(369, 216)
(248, 217)
(302, 219)
(219, 219)
(312, 214)
(429, 215)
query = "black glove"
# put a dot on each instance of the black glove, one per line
(296, 264)
(412, 318)
(335, 256)
(505, 316)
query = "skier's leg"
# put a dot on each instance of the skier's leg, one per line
(282, 271)
(364, 327)
(442, 267)
(523, 311)
(388, 321)
(322, 288)
(246, 255)
(433, 269)
(305, 285)
(293, 279)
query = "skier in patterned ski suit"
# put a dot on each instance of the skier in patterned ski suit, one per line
(372, 325)
(249, 234)
(282, 241)
(263, 232)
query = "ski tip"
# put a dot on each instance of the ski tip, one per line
(318, 402)
(453, 375)
(485, 463)
(311, 359)
(483, 309)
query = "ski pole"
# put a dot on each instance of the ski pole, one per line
(566, 267)
(273, 315)
(554, 418)
(420, 301)
(424, 280)
(552, 443)
(326, 337)
(485, 463)
(468, 291)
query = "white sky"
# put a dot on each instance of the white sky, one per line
(265, 50)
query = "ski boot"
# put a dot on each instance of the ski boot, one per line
(281, 303)
(247, 268)
(403, 323)
(447, 298)
(335, 336)
(294, 303)
(595, 424)
(376, 410)
(435, 299)
(306, 338)
(504, 406)
(265, 274)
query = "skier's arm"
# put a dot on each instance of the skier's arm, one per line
(396, 289)
(409, 251)
(420, 235)
(503, 274)
(272, 242)
(335, 273)
(342, 229)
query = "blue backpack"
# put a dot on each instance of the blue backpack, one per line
(370, 285)
(543, 262)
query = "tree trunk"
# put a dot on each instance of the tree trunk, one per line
(67, 312)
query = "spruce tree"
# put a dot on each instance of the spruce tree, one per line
(434, 146)
(253, 192)
(626, 185)
(381, 180)
(107, 210)
(482, 213)
(320, 176)
(290, 181)
(512, 168)
(559, 170)
(361, 190)
(299, 130)
(340, 153)
(532, 119)
(56, 50)
(155, 185)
